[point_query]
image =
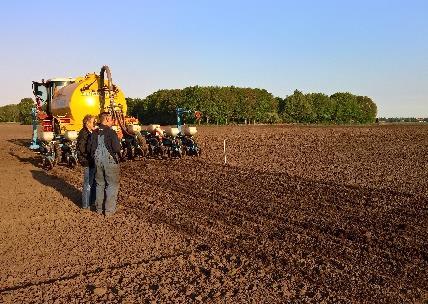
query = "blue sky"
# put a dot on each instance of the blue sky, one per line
(373, 48)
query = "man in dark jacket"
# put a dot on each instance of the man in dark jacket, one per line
(83, 156)
(104, 147)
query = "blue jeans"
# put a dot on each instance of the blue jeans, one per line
(107, 180)
(88, 192)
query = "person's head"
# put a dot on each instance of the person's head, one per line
(106, 119)
(89, 122)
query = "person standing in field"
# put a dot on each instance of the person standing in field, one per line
(84, 158)
(104, 147)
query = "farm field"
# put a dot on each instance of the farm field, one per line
(304, 214)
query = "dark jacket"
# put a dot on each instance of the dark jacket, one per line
(111, 141)
(83, 155)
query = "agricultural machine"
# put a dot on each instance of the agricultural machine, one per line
(186, 134)
(62, 103)
(173, 142)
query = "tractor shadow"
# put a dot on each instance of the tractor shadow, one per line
(35, 161)
(62, 186)
(22, 142)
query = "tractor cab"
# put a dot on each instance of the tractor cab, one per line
(46, 91)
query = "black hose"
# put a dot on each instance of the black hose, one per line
(116, 116)
(104, 69)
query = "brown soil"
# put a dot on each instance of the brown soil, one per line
(299, 214)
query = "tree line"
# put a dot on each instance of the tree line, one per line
(402, 119)
(223, 105)
(20, 113)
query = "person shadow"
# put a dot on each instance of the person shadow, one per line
(66, 189)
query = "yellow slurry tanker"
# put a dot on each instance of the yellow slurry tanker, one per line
(61, 104)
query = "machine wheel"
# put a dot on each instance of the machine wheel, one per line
(163, 152)
(138, 152)
(72, 162)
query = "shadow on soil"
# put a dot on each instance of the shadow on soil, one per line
(89, 272)
(60, 185)
(22, 142)
(35, 161)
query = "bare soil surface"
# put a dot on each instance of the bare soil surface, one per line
(299, 215)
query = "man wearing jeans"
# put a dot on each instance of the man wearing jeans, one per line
(104, 147)
(88, 192)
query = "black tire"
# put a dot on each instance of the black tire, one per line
(72, 162)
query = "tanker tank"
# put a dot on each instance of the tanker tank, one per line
(73, 101)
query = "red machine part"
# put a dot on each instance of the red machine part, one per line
(47, 125)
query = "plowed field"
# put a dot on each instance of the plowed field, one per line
(298, 214)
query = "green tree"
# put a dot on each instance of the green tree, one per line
(281, 104)
(130, 104)
(24, 108)
(323, 107)
(298, 108)
(368, 109)
(9, 113)
(347, 108)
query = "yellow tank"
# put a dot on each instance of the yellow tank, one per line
(81, 96)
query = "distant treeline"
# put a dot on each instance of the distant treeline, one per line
(402, 119)
(17, 112)
(223, 105)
